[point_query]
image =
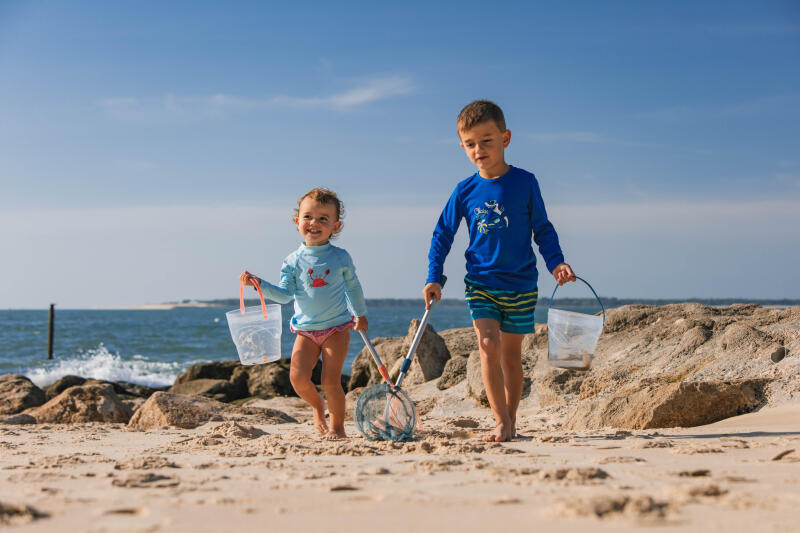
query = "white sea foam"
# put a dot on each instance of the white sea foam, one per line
(99, 363)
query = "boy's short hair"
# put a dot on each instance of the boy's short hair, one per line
(480, 111)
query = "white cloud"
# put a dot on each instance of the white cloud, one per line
(216, 105)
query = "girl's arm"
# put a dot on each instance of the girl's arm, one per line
(283, 292)
(352, 288)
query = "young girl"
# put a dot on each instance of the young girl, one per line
(321, 279)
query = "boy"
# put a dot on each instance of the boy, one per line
(503, 208)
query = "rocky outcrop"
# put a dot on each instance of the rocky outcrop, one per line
(123, 389)
(662, 405)
(475, 386)
(681, 365)
(18, 419)
(212, 370)
(455, 371)
(83, 403)
(177, 410)
(18, 393)
(218, 389)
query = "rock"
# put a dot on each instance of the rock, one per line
(460, 341)
(213, 370)
(474, 380)
(18, 393)
(270, 380)
(17, 419)
(429, 358)
(685, 364)
(455, 371)
(62, 384)
(559, 387)
(83, 403)
(177, 410)
(663, 405)
(364, 372)
(218, 389)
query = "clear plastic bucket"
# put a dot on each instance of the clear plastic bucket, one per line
(256, 331)
(572, 337)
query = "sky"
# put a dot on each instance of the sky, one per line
(150, 151)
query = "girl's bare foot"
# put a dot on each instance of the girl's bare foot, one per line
(502, 433)
(319, 422)
(334, 434)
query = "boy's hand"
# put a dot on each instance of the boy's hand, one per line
(431, 290)
(248, 279)
(563, 273)
(361, 324)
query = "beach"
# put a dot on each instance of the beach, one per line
(720, 477)
(687, 420)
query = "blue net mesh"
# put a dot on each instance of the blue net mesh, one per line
(383, 413)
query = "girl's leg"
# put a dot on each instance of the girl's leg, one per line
(304, 357)
(489, 344)
(334, 352)
(511, 363)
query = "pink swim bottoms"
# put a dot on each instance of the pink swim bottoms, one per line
(320, 336)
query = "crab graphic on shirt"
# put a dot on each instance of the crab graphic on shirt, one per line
(319, 279)
(490, 217)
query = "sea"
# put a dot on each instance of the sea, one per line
(151, 347)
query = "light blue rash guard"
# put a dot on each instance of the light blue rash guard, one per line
(502, 215)
(321, 280)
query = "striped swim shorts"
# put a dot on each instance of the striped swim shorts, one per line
(511, 309)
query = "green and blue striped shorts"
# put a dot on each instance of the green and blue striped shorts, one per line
(511, 309)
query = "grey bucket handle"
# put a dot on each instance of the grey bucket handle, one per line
(590, 288)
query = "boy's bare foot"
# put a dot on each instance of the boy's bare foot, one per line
(335, 435)
(319, 422)
(501, 433)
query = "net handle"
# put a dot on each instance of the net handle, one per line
(375, 357)
(260, 295)
(414, 343)
(552, 296)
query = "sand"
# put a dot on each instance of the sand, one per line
(740, 474)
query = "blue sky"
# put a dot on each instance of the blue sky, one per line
(151, 150)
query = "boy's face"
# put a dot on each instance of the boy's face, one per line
(316, 222)
(484, 144)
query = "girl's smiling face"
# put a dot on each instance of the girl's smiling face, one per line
(316, 221)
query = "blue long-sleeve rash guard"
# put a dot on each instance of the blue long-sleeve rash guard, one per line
(321, 280)
(502, 215)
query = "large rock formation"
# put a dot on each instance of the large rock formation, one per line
(682, 365)
(18, 393)
(177, 410)
(83, 403)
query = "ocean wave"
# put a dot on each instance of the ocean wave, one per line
(99, 363)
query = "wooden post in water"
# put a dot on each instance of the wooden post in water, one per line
(50, 331)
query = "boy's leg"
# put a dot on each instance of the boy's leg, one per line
(334, 352)
(489, 344)
(511, 363)
(304, 357)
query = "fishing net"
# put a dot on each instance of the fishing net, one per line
(384, 413)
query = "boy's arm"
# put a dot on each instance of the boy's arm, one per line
(283, 292)
(352, 288)
(442, 240)
(544, 234)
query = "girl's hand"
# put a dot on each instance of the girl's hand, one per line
(563, 273)
(361, 324)
(248, 279)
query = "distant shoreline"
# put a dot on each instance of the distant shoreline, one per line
(608, 302)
